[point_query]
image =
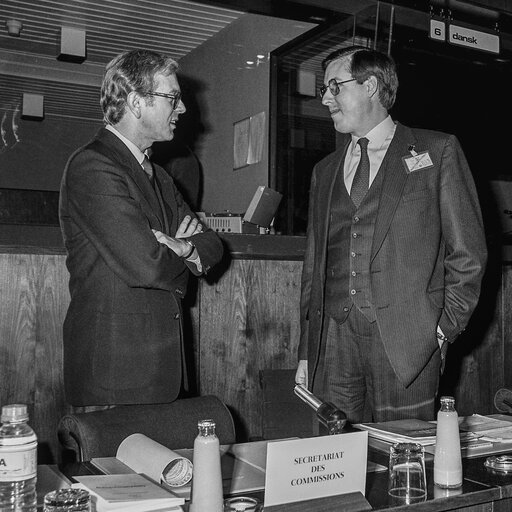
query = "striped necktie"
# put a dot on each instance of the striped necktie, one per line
(148, 168)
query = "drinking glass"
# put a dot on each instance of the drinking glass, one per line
(242, 504)
(67, 500)
(407, 483)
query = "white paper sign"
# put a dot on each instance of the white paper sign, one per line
(304, 469)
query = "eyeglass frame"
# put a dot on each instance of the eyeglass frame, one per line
(336, 86)
(176, 98)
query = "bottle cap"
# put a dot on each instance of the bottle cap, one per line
(447, 399)
(14, 412)
(206, 423)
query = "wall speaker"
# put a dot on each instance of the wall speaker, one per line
(72, 45)
(33, 106)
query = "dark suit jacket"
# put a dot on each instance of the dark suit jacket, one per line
(428, 252)
(122, 332)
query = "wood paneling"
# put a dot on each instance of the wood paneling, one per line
(34, 295)
(245, 321)
(249, 321)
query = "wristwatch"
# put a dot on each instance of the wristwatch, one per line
(192, 247)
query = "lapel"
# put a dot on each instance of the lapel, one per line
(393, 184)
(167, 198)
(115, 148)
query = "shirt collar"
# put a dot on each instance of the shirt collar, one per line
(137, 153)
(378, 134)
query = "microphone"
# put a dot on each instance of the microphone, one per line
(503, 400)
(326, 412)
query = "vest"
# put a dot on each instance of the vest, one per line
(348, 253)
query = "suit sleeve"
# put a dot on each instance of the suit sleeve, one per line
(107, 208)
(307, 273)
(464, 239)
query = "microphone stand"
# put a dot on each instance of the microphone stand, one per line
(326, 412)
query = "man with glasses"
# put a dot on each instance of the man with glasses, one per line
(131, 241)
(395, 251)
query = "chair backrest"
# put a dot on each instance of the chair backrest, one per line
(98, 434)
(284, 414)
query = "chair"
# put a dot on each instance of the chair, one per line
(98, 434)
(284, 414)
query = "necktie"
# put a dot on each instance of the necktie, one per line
(362, 176)
(148, 168)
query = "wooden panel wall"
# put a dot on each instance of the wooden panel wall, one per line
(249, 321)
(246, 321)
(34, 299)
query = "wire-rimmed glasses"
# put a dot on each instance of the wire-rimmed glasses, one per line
(334, 86)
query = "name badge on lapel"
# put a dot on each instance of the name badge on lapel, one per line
(417, 161)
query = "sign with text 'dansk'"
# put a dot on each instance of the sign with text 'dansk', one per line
(464, 36)
(304, 469)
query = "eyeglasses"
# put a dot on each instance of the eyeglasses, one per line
(334, 86)
(175, 98)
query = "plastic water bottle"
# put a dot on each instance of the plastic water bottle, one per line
(207, 494)
(447, 455)
(18, 461)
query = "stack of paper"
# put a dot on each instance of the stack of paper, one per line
(128, 493)
(406, 431)
(497, 429)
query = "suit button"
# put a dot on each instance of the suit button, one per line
(353, 254)
(345, 309)
(178, 291)
(353, 273)
(352, 292)
(356, 219)
(354, 235)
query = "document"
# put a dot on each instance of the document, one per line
(126, 493)
(242, 466)
(496, 429)
(409, 430)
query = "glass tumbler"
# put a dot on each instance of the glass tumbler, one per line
(242, 504)
(407, 482)
(67, 500)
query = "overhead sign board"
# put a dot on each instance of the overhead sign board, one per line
(437, 30)
(463, 36)
(476, 39)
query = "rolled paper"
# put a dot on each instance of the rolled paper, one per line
(144, 455)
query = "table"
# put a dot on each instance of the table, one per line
(482, 491)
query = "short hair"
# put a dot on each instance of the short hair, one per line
(134, 70)
(364, 62)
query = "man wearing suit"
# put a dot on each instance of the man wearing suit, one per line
(131, 241)
(395, 251)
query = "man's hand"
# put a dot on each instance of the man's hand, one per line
(301, 377)
(189, 226)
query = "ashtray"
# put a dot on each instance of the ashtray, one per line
(501, 463)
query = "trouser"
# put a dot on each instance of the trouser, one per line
(355, 374)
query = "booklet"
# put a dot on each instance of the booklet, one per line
(408, 430)
(129, 492)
